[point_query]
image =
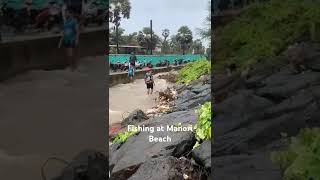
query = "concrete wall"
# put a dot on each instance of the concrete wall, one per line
(42, 53)
(121, 78)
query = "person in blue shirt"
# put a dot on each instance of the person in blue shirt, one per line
(131, 72)
(70, 37)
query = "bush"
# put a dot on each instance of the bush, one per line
(302, 159)
(192, 71)
(123, 136)
(264, 30)
(203, 126)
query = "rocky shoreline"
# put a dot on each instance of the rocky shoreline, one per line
(139, 159)
(252, 110)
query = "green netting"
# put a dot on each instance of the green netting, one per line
(154, 59)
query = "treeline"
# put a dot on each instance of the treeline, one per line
(181, 43)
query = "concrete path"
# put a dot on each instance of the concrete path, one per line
(124, 98)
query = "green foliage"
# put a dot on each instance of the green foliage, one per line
(119, 9)
(123, 136)
(192, 71)
(197, 47)
(264, 30)
(302, 159)
(184, 37)
(205, 31)
(203, 126)
(144, 38)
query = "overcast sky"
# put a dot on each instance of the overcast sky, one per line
(170, 14)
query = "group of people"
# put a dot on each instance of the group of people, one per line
(118, 66)
(148, 78)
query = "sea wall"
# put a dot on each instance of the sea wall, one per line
(122, 77)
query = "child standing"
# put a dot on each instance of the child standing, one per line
(148, 79)
(131, 73)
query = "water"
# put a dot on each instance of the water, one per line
(124, 98)
(51, 113)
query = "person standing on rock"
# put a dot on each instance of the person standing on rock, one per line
(70, 37)
(148, 79)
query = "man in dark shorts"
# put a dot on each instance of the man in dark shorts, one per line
(70, 37)
(148, 79)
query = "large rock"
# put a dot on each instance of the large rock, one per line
(245, 167)
(137, 149)
(89, 164)
(226, 85)
(198, 88)
(259, 133)
(261, 70)
(297, 102)
(134, 118)
(184, 96)
(167, 168)
(202, 154)
(237, 110)
(284, 84)
(191, 102)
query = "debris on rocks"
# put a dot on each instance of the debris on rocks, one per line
(170, 77)
(164, 104)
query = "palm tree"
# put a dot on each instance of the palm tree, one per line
(184, 37)
(118, 9)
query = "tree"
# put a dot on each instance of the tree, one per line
(174, 45)
(165, 34)
(131, 39)
(205, 32)
(184, 37)
(144, 39)
(113, 36)
(165, 44)
(197, 47)
(118, 9)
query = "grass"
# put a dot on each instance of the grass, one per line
(203, 126)
(123, 136)
(193, 71)
(264, 30)
(301, 161)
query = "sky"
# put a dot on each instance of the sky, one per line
(170, 14)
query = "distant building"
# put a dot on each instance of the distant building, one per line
(127, 49)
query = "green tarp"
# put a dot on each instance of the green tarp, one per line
(154, 59)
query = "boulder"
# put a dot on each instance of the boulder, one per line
(200, 88)
(193, 103)
(259, 133)
(137, 149)
(237, 110)
(167, 168)
(88, 164)
(245, 167)
(282, 85)
(202, 154)
(184, 96)
(134, 118)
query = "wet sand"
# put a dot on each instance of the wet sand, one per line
(51, 113)
(124, 98)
